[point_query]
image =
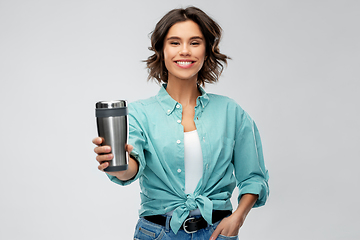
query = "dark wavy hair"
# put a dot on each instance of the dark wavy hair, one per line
(214, 60)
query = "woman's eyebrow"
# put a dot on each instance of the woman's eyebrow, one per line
(197, 38)
(178, 38)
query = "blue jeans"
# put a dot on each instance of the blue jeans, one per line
(146, 230)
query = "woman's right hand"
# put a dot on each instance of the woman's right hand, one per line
(103, 153)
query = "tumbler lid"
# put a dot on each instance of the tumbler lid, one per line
(111, 104)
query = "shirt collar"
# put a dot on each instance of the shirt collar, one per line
(204, 98)
(169, 104)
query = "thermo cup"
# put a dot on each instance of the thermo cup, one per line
(113, 128)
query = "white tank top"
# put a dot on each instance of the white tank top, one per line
(193, 160)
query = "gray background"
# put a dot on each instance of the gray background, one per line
(295, 70)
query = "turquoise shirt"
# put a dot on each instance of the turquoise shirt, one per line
(231, 149)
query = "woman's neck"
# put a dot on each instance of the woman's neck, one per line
(184, 91)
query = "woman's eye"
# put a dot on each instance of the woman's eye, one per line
(195, 43)
(174, 43)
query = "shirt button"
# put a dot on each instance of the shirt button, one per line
(178, 141)
(178, 106)
(168, 110)
(179, 170)
(178, 121)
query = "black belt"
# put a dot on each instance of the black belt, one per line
(191, 224)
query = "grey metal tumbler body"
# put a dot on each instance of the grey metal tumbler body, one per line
(113, 127)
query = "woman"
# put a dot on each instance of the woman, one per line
(189, 148)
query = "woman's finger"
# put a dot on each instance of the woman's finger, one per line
(102, 166)
(97, 141)
(129, 148)
(105, 157)
(102, 149)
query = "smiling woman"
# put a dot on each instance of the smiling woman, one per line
(209, 33)
(184, 51)
(187, 167)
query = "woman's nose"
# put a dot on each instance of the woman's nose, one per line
(185, 51)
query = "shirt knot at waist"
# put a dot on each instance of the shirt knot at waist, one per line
(190, 203)
(182, 211)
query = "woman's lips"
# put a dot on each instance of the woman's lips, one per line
(184, 63)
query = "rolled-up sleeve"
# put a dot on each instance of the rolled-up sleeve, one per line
(250, 171)
(137, 140)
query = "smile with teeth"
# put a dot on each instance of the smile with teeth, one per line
(184, 63)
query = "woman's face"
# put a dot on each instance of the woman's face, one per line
(184, 51)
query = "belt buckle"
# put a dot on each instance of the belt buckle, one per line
(184, 226)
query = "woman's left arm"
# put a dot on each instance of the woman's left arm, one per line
(250, 173)
(230, 226)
